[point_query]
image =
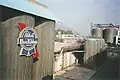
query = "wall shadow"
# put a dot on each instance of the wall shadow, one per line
(48, 77)
(95, 61)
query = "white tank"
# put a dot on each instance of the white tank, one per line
(97, 32)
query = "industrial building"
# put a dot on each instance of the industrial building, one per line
(93, 52)
(51, 56)
(109, 32)
(35, 16)
(63, 55)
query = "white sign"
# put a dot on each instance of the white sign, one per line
(27, 40)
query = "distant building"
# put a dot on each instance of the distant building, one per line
(68, 37)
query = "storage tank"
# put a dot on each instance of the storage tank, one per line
(97, 32)
(109, 34)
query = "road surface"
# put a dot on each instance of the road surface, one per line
(109, 71)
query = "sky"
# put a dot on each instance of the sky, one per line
(78, 14)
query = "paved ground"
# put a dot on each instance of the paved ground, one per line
(78, 73)
(109, 71)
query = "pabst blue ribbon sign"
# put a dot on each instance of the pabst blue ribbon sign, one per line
(27, 41)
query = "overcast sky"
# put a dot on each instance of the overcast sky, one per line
(78, 14)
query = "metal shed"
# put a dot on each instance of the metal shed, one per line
(12, 65)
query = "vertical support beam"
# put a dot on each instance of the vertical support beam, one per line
(0, 40)
(43, 69)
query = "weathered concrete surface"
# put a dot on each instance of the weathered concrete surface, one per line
(67, 46)
(110, 70)
(77, 73)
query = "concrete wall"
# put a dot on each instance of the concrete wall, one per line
(63, 61)
(46, 37)
(94, 52)
(15, 67)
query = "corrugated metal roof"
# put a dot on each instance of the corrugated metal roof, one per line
(29, 7)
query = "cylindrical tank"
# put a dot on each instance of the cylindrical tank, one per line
(91, 50)
(97, 32)
(109, 34)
